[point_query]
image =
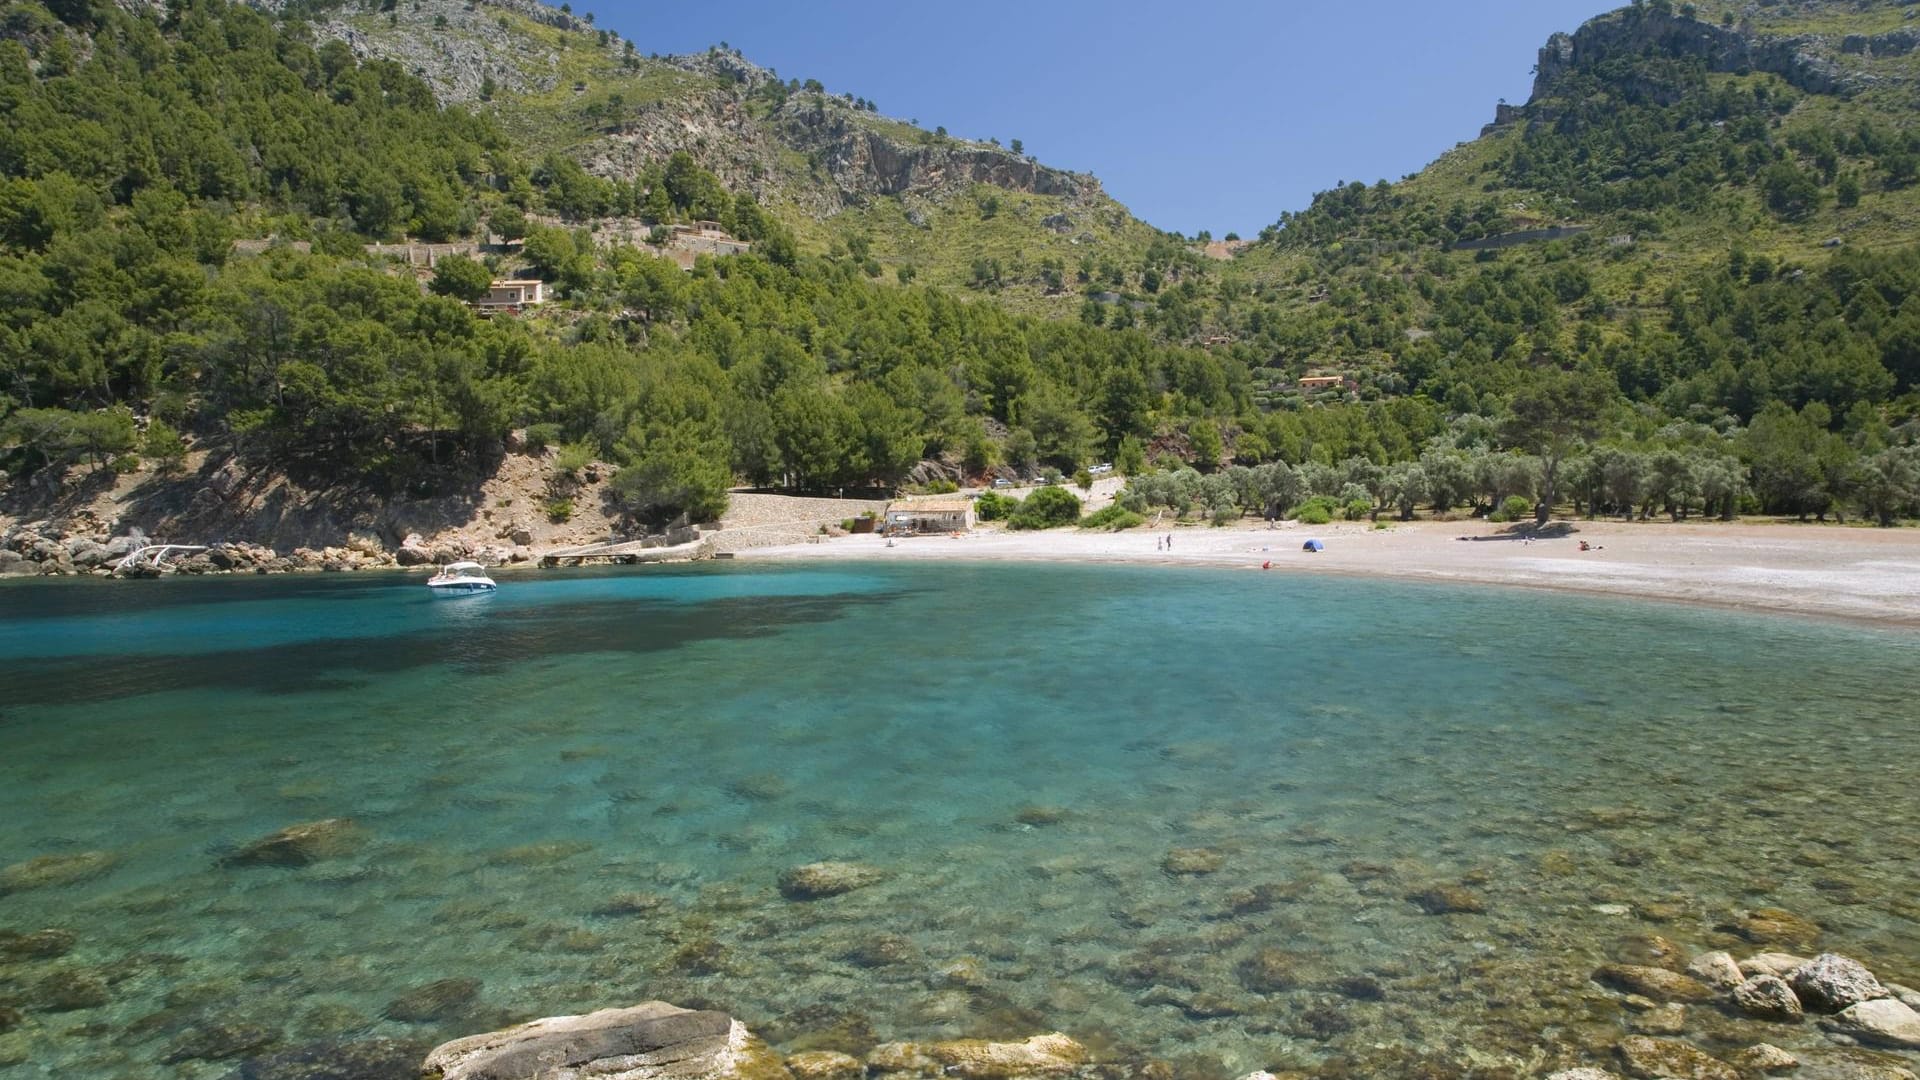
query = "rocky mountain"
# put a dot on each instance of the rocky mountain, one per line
(831, 166)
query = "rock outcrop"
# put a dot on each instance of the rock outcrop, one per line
(1641, 29)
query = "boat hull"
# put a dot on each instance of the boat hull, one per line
(461, 588)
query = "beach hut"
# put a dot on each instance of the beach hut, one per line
(1313, 545)
(951, 514)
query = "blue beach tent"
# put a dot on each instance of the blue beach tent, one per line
(1313, 545)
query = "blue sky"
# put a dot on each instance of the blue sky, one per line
(1206, 114)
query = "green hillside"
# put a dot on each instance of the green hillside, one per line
(1676, 280)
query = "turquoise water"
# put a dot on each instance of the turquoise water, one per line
(580, 792)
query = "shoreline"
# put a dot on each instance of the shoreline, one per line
(1853, 574)
(1856, 575)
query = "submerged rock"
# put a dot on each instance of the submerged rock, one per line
(67, 991)
(1193, 862)
(1657, 983)
(1776, 926)
(1583, 1074)
(825, 1065)
(218, 1042)
(1052, 1054)
(365, 1059)
(880, 950)
(1831, 982)
(438, 1000)
(1767, 997)
(1037, 816)
(300, 845)
(633, 903)
(816, 881)
(1670, 1059)
(1669, 1019)
(39, 945)
(53, 871)
(1764, 1058)
(1448, 900)
(1880, 1022)
(645, 1042)
(1271, 971)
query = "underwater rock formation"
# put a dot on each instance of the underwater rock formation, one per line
(816, 881)
(300, 845)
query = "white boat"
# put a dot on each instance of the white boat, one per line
(460, 579)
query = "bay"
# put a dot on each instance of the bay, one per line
(1194, 816)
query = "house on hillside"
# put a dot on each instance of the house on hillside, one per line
(948, 514)
(512, 295)
(1322, 382)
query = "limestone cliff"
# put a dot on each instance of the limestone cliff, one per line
(811, 150)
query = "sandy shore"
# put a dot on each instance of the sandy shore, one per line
(1861, 574)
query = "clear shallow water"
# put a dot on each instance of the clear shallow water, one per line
(580, 792)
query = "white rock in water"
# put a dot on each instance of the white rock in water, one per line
(1584, 1074)
(1882, 1022)
(1612, 909)
(1716, 969)
(1831, 982)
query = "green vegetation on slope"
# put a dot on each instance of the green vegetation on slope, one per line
(1696, 330)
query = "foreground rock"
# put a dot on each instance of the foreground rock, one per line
(1670, 1059)
(1052, 1054)
(1656, 983)
(653, 1041)
(1830, 982)
(1716, 969)
(1767, 997)
(1765, 1058)
(300, 845)
(816, 881)
(1881, 1022)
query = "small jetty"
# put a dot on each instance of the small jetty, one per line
(628, 552)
